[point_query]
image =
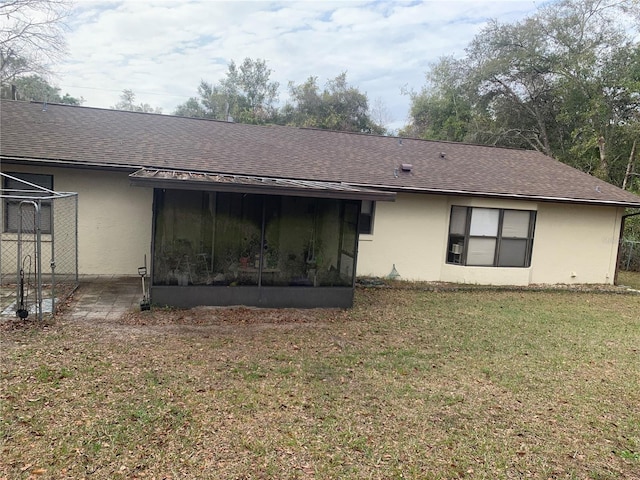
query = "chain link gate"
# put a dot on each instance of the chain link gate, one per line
(38, 248)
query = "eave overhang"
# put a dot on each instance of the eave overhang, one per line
(507, 196)
(222, 182)
(377, 188)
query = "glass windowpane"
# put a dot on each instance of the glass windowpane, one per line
(366, 217)
(28, 217)
(515, 224)
(481, 251)
(19, 189)
(484, 222)
(513, 253)
(458, 220)
(45, 181)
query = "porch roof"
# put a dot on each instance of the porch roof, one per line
(186, 180)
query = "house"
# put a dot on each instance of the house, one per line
(281, 216)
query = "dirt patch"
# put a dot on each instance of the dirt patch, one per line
(207, 320)
(227, 316)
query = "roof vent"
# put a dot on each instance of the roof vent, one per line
(443, 155)
(400, 141)
(406, 167)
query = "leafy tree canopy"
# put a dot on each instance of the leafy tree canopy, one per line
(245, 95)
(128, 102)
(339, 106)
(35, 88)
(564, 81)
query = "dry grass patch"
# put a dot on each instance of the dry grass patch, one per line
(630, 279)
(407, 384)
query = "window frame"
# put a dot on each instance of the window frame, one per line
(458, 244)
(11, 204)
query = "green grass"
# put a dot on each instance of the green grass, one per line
(407, 384)
(630, 279)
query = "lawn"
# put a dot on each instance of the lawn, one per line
(630, 279)
(407, 384)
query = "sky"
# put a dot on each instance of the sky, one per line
(163, 49)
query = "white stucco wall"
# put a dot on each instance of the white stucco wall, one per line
(572, 243)
(575, 244)
(114, 218)
(407, 233)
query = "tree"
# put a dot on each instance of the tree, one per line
(31, 36)
(598, 84)
(35, 88)
(442, 109)
(381, 115)
(245, 95)
(564, 81)
(603, 114)
(191, 108)
(250, 94)
(339, 106)
(127, 102)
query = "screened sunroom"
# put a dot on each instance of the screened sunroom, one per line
(241, 240)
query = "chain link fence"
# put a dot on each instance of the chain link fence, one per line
(38, 249)
(629, 255)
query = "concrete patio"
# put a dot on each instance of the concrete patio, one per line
(96, 298)
(104, 298)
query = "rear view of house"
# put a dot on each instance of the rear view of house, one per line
(281, 216)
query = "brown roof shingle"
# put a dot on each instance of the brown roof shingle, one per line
(90, 136)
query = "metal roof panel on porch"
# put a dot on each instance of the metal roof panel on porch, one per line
(185, 180)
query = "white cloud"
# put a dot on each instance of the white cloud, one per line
(161, 50)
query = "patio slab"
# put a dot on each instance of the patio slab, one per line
(101, 297)
(96, 298)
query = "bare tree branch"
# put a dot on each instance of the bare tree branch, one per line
(31, 36)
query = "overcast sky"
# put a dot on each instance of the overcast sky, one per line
(162, 49)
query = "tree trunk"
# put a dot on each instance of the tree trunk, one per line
(629, 172)
(603, 169)
(543, 131)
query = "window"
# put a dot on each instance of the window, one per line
(12, 205)
(366, 217)
(490, 237)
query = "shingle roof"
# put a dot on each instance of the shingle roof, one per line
(90, 136)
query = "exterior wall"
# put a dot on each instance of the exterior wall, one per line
(114, 218)
(576, 244)
(408, 233)
(572, 243)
